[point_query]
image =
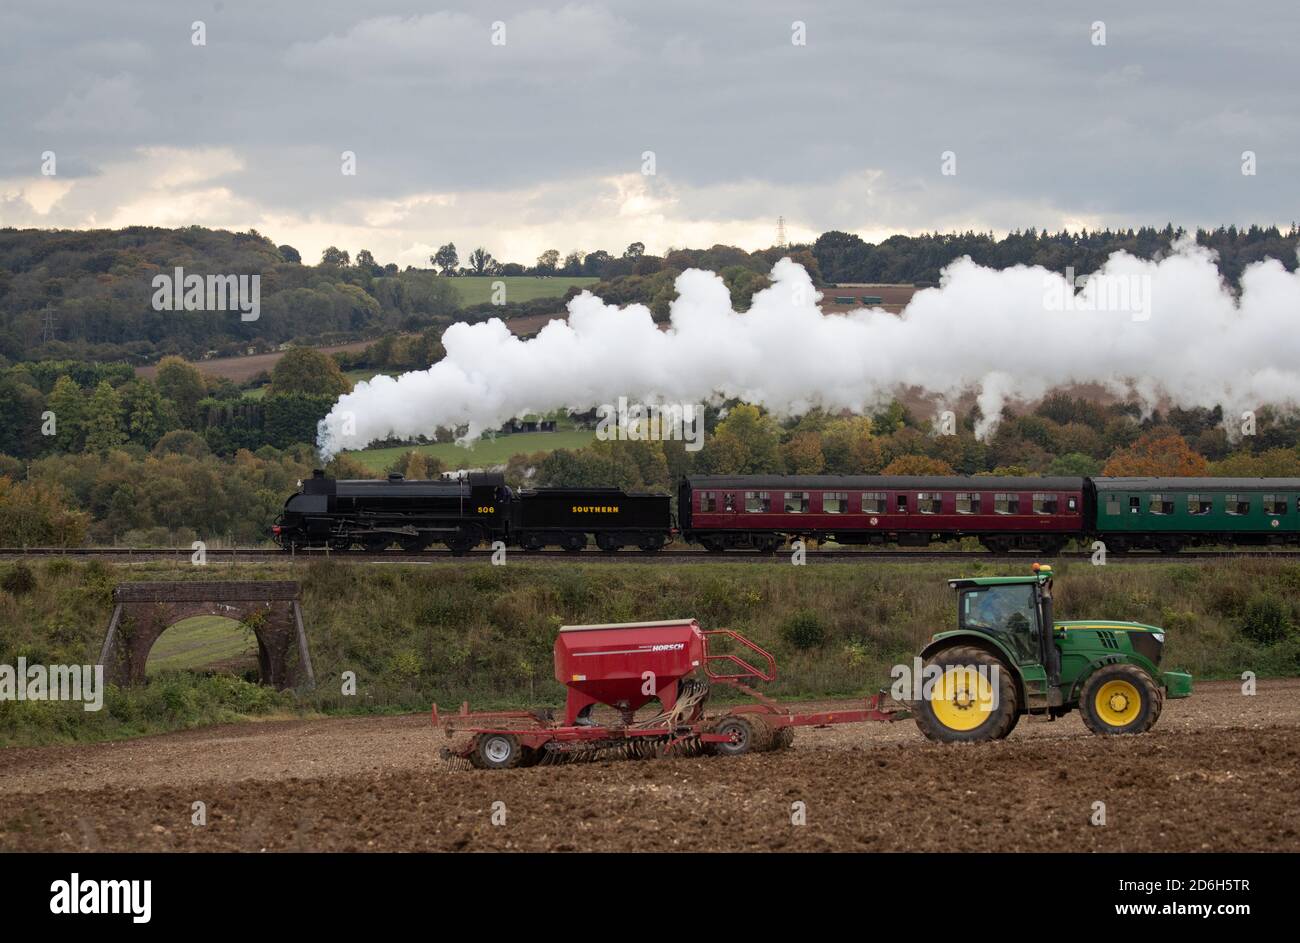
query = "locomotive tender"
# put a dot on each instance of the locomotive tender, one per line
(762, 512)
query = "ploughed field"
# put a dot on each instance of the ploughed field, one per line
(1216, 774)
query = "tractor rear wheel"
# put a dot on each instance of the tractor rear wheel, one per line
(496, 751)
(974, 699)
(750, 734)
(1120, 699)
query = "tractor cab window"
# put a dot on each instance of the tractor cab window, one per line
(1007, 611)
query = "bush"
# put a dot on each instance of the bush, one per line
(1266, 620)
(19, 581)
(804, 630)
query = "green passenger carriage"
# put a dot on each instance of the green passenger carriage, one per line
(1170, 513)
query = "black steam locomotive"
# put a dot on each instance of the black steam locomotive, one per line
(465, 512)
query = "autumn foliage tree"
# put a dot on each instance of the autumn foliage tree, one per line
(1161, 453)
(917, 465)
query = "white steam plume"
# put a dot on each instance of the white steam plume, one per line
(1002, 334)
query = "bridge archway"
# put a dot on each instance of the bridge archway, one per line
(143, 611)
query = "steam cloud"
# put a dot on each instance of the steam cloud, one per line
(1007, 335)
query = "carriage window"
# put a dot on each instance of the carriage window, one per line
(1274, 504)
(901, 503)
(1160, 504)
(708, 500)
(1199, 504)
(758, 501)
(1045, 503)
(1071, 503)
(1134, 504)
(873, 502)
(929, 502)
(796, 502)
(1006, 503)
(968, 502)
(729, 503)
(834, 502)
(1112, 505)
(1236, 504)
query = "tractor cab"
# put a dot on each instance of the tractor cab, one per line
(1014, 610)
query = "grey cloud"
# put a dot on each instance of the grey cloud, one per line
(844, 133)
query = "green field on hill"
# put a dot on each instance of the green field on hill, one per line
(475, 289)
(484, 453)
(200, 642)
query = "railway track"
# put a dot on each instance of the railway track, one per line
(126, 555)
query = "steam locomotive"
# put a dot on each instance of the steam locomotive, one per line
(761, 512)
(465, 512)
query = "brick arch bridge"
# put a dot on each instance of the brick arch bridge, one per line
(143, 611)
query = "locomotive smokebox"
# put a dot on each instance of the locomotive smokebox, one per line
(608, 664)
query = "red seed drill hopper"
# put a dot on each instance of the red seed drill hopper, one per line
(624, 667)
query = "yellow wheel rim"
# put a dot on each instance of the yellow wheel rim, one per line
(961, 699)
(1118, 703)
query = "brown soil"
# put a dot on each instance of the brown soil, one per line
(1217, 773)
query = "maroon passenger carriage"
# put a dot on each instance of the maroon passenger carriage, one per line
(759, 512)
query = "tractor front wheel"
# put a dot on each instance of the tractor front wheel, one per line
(1120, 699)
(973, 698)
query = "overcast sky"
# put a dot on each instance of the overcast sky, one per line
(538, 142)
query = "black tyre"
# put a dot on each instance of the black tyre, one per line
(1119, 699)
(496, 751)
(749, 733)
(973, 700)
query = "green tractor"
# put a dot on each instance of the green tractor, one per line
(1008, 657)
